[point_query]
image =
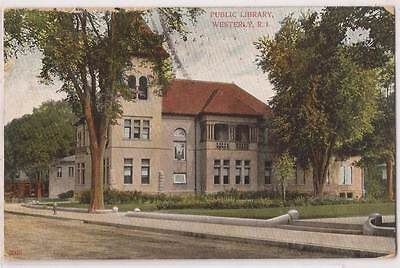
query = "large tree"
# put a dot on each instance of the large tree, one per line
(35, 140)
(90, 53)
(375, 50)
(324, 97)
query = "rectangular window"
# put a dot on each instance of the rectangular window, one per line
(179, 150)
(238, 175)
(146, 130)
(83, 173)
(70, 171)
(78, 171)
(247, 172)
(84, 136)
(136, 129)
(350, 195)
(268, 172)
(217, 171)
(127, 129)
(145, 172)
(225, 172)
(179, 178)
(345, 174)
(59, 172)
(79, 139)
(128, 170)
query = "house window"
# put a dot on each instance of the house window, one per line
(217, 171)
(81, 173)
(179, 178)
(78, 171)
(127, 128)
(145, 172)
(179, 150)
(350, 195)
(342, 195)
(83, 135)
(146, 130)
(128, 170)
(247, 172)
(225, 172)
(142, 88)
(346, 174)
(136, 129)
(79, 139)
(132, 85)
(242, 133)
(238, 175)
(221, 132)
(59, 172)
(70, 171)
(268, 172)
(180, 133)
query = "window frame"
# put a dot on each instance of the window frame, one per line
(130, 167)
(183, 143)
(71, 171)
(175, 174)
(217, 167)
(145, 166)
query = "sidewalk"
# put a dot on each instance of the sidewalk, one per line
(354, 245)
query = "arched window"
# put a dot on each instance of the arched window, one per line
(180, 133)
(179, 144)
(132, 85)
(143, 88)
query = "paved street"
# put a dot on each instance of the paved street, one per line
(28, 237)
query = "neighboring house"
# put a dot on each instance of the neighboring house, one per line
(199, 136)
(19, 186)
(62, 176)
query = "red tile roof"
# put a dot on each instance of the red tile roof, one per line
(193, 97)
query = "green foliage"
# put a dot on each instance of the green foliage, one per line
(66, 195)
(34, 141)
(221, 200)
(324, 98)
(284, 167)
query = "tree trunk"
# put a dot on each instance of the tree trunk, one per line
(38, 186)
(96, 190)
(389, 176)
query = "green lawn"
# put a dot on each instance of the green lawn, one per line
(306, 212)
(121, 207)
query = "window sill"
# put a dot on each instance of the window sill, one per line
(180, 183)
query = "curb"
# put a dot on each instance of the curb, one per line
(291, 245)
(79, 210)
(283, 219)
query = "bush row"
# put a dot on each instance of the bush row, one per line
(222, 200)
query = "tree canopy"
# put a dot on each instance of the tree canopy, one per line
(325, 98)
(34, 141)
(91, 52)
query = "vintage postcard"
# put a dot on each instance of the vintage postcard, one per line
(199, 133)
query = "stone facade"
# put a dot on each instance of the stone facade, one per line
(198, 137)
(62, 176)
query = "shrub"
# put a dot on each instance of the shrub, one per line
(84, 197)
(66, 195)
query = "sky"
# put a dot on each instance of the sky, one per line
(212, 53)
